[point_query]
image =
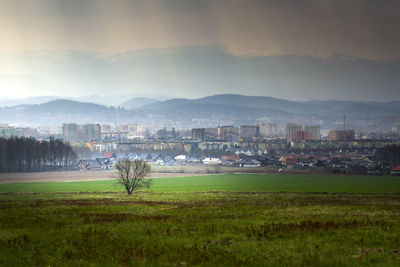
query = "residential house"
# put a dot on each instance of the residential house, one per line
(181, 158)
(395, 170)
(212, 161)
(306, 162)
(144, 156)
(153, 157)
(166, 161)
(106, 163)
(134, 156)
(169, 161)
(110, 155)
(289, 160)
(253, 163)
(90, 165)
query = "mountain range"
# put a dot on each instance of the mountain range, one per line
(208, 111)
(195, 71)
(138, 102)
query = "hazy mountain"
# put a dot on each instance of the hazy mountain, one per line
(212, 110)
(268, 104)
(261, 102)
(27, 101)
(94, 99)
(214, 105)
(199, 71)
(61, 111)
(138, 102)
(189, 109)
(167, 104)
(113, 100)
(63, 106)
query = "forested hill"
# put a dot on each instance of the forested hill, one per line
(232, 108)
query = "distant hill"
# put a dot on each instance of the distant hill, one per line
(261, 102)
(28, 101)
(138, 102)
(167, 104)
(94, 99)
(200, 70)
(209, 111)
(61, 111)
(63, 106)
(183, 108)
(269, 105)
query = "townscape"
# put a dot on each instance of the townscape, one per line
(291, 148)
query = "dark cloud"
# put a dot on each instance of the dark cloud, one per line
(187, 5)
(362, 28)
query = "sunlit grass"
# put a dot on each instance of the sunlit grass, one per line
(230, 182)
(204, 228)
(221, 220)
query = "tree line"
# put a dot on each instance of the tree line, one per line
(23, 154)
(388, 156)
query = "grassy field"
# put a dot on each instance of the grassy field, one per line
(231, 182)
(220, 220)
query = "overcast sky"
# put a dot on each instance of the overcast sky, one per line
(368, 29)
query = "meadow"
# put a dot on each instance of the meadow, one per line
(229, 182)
(217, 220)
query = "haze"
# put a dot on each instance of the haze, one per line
(338, 49)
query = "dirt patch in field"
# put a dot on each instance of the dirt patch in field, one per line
(72, 176)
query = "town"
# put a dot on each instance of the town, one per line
(265, 146)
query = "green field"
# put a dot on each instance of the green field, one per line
(219, 220)
(231, 182)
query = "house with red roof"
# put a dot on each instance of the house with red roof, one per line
(231, 158)
(110, 155)
(290, 160)
(395, 170)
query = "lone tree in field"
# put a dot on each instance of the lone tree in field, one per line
(132, 174)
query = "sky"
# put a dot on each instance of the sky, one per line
(365, 29)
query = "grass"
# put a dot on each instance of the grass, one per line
(230, 182)
(223, 220)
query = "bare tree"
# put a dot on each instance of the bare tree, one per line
(133, 174)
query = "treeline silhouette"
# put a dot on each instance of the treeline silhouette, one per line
(388, 156)
(22, 154)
